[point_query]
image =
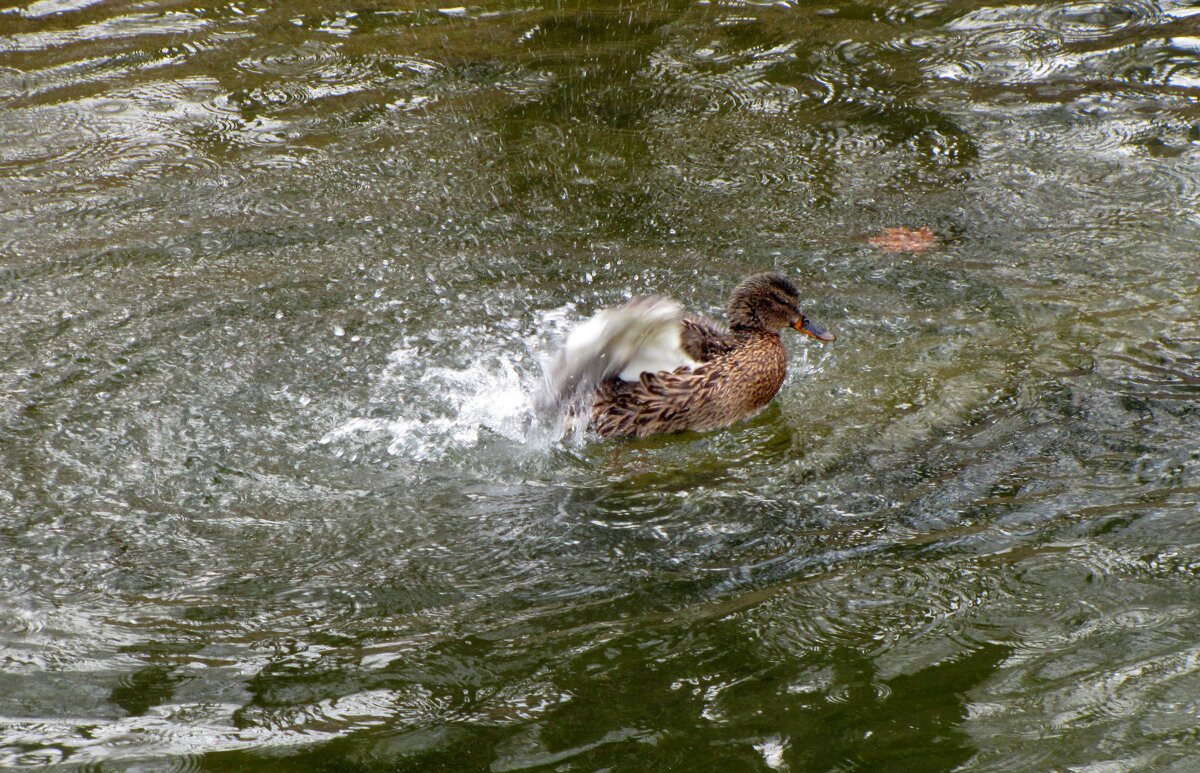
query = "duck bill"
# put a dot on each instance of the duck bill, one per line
(813, 330)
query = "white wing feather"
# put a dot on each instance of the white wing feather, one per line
(643, 336)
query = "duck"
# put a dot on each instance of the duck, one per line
(648, 368)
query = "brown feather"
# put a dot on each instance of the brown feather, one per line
(703, 340)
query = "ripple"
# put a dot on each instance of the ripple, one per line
(846, 90)
(871, 598)
(53, 141)
(1064, 623)
(270, 98)
(1019, 45)
(1089, 20)
(38, 756)
(21, 621)
(245, 119)
(1009, 54)
(152, 159)
(1123, 693)
(172, 24)
(40, 8)
(1162, 371)
(172, 737)
(737, 79)
(15, 84)
(1093, 19)
(327, 72)
(126, 136)
(308, 59)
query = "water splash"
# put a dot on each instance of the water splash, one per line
(443, 410)
(430, 412)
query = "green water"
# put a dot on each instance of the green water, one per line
(276, 283)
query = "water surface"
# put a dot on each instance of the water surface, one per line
(275, 285)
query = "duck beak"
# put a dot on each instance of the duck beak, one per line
(813, 330)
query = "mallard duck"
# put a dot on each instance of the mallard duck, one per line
(648, 368)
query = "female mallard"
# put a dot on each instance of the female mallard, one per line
(651, 369)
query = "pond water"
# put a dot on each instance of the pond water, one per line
(276, 284)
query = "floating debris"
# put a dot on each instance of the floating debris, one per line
(904, 239)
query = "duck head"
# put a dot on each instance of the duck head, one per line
(767, 301)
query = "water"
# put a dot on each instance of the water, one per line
(275, 286)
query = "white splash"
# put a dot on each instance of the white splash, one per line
(440, 410)
(772, 750)
(425, 410)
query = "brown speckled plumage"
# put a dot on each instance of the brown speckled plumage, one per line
(729, 387)
(740, 370)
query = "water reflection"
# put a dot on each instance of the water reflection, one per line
(277, 282)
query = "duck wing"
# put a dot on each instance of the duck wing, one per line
(728, 388)
(657, 402)
(704, 340)
(644, 336)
